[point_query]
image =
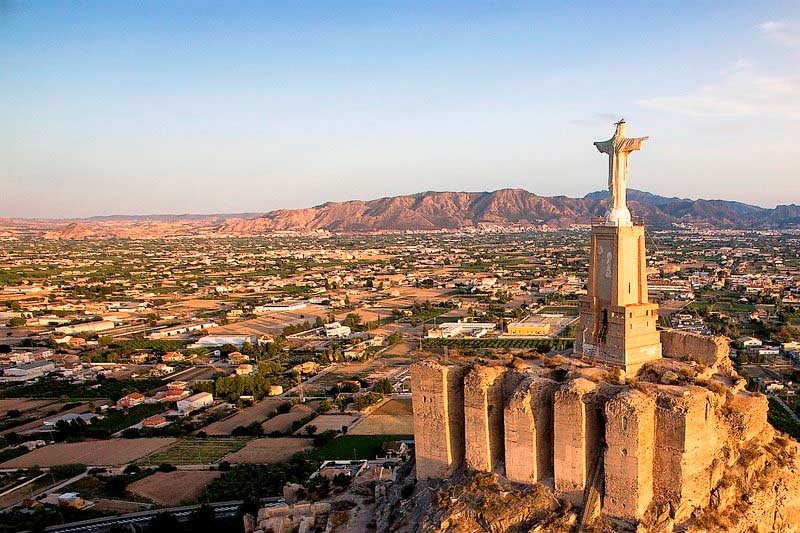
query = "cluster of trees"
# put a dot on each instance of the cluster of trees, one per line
(787, 334)
(365, 400)
(16, 322)
(68, 470)
(394, 338)
(305, 326)
(253, 429)
(118, 420)
(781, 420)
(256, 385)
(249, 481)
(352, 320)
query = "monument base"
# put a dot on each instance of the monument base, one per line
(617, 323)
(620, 216)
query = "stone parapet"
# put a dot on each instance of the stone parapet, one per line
(712, 351)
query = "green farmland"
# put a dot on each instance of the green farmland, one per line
(194, 450)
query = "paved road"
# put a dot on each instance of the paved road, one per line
(140, 520)
(70, 481)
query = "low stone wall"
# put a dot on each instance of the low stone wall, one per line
(711, 351)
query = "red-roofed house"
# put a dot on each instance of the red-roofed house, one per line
(129, 400)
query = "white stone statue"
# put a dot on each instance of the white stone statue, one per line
(618, 148)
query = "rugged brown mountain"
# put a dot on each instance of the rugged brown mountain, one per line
(422, 212)
(454, 210)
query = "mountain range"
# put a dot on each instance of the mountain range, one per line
(509, 207)
(428, 211)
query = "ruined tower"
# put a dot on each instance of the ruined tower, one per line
(617, 323)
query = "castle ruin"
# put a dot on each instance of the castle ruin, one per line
(635, 422)
(589, 436)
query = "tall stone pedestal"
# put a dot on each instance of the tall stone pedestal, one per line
(617, 323)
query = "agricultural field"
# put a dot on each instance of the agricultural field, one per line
(95, 487)
(357, 446)
(39, 483)
(34, 418)
(393, 417)
(173, 488)
(52, 388)
(330, 422)
(566, 310)
(22, 404)
(256, 413)
(272, 324)
(269, 450)
(114, 452)
(410, 295)
(197, 451)
(17, 412)
(283, 422)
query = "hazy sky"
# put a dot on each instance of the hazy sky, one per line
(173, 107)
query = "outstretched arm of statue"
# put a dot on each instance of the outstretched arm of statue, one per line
(629, 145)
(604, 147)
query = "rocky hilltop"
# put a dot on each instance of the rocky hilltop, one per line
(428, 211)
(559, 444)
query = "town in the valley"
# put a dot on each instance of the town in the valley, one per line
(271, 382)
(266, 382)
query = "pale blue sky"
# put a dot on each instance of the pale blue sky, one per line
(190, 106)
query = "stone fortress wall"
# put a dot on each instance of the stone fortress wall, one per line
(637, 444)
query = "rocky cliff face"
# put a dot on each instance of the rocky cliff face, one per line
(682, 446)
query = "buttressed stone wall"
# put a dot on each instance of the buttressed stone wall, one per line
(630, 437)
(438, 400)
(528, 420)
(687, 439)
(483, 417)
(576, 432)
(642, 447)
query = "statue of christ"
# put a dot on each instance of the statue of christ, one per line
(618, 148)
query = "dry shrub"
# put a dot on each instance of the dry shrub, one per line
(339, 519)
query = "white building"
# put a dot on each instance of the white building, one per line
(336, 330)
(195, 402)
(181, 330)
(462, 329)
(749, 342)
(210, 341)
(86, 327)
(279, 307)
(27, 371)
